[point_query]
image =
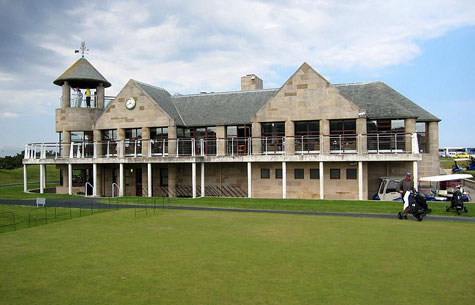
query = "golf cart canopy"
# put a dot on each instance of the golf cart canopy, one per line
(446, 178)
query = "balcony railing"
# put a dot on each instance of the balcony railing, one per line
(233, 146)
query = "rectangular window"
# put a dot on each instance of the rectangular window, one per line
(343, 135)
(299, 173)
(159, 140)
(421, 130)
(314, 173)
(351, 173)
(265, 173)
(334, 173)
(278, 173)
(307, 136)
(273, 137)
(109, 135)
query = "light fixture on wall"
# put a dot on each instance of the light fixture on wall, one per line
(362, 114)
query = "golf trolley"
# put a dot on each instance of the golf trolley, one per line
(456, 202)
(417, 206)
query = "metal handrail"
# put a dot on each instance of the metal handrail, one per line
(85, 186)
(118, 189)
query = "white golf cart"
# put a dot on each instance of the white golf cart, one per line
(388, 189)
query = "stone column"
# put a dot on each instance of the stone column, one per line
(70, 179)
(284, 180)
(325, 133)
(145, 142)
(98, 145)
(172, 141)
(202, 179)
(149, 179)
(121, 180)
(193, 179)
(289, 138)
(221, 138)
(433, 138)
(100, 96)
(65, 95)
(415, 175)
(256, 139)
(360, 180)
(249, 180)
(120, 142)
(361, 131)
(66, 144)
(322, 180)
(94, 179)
(410, 128)
(172, 180)
(42, 178)
(25, 179)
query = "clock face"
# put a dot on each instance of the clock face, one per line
(130, 103)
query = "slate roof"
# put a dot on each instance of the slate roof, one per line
(83, 75)
(226, 108)
(232, 108)
(383, 102)
(163, 99)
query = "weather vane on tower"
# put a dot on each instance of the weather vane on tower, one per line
(82, 49)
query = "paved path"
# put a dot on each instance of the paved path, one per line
(87, 202)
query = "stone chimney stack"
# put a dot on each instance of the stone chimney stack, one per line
(251, 82)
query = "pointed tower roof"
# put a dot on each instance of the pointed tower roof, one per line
(83, 75)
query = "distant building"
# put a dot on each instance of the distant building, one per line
(306, 139)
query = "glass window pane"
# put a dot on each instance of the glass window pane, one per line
(336, 126)
(314, 173)
(231, 131)
(334, 173)
(300, 127)
(299, 173)
(278, 173)
(77, 136)
(265, 173)
(397, 125)
(351, 173)
(280, 127)
(371, 127)
(421, 127)
(349, 126)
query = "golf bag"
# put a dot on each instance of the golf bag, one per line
(417, 205)
(456, 203)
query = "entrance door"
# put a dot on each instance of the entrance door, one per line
(138, 181)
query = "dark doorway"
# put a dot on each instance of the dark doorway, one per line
(138, 179)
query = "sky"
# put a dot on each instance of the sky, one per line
(423, 49)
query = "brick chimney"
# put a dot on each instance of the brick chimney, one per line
(251, 82)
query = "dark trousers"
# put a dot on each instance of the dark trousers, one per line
(88, 101)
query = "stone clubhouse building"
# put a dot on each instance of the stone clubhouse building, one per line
(307, 139)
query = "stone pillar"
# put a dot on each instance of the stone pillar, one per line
(121, 180)
(149, 179)
(42, 177)
(193, 179)
(284, 180)
(325, 133)
(70, 179)
(221, 138)
(94, 179)
(289, 138)
(120, 142)
(172, 180)
(410, 128)
(362, 139)
(98, 146)
(25, 179)
(256, 139)
(433, 138)
(202, 179)
(172, 141)
(249, 180)
(145, 142)
(415, 174)
(360, 180)
(66, 144)
(65, 95)
(322, 180)
(100, 96)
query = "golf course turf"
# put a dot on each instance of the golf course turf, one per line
(201, 257)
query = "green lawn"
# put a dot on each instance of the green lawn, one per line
(197, 257)
(16, 192)
(27, 217)
(16, 175)
(352, 206)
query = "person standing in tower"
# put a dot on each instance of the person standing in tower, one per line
(79, 104)
(88, 98)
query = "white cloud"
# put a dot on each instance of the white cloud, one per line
(8, 114)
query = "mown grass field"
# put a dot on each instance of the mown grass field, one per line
(16, 192)
(198, 257)
(343, 206)
(16, 175)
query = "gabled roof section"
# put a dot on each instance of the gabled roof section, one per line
(383, 102)
(83, 75)
(224, 108)
(163, 99)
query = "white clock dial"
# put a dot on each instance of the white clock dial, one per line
(130, 103)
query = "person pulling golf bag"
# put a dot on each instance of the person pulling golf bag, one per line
(415, 204)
